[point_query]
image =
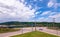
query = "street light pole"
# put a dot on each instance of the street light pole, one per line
(22, 29)
(32, 27)
(56, 27)
(35, 23)
(53, 22)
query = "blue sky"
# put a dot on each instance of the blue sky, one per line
(30, 10)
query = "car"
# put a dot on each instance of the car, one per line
(40, 29)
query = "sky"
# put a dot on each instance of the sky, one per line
(30, 10)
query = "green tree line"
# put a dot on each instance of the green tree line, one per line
(29, 24)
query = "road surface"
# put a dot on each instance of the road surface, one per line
(50, 31)
(21, 31)
(30, 29)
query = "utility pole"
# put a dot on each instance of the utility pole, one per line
(56, 8)
(32, 26)
(53, 22)
(22, 29)
(35, 25)
(56, 27)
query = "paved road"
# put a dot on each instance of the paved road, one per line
(50, 31)
(25, 30)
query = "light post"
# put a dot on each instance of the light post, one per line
(53, 22)
(32, 27)
(55, 26)
(22, 29)
(35, 23)
(55, 9)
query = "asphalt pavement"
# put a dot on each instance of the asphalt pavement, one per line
(30, 29)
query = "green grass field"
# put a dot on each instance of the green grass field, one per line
(35, 34)
(4, 30)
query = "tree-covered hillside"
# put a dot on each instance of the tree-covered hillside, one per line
(29, 24)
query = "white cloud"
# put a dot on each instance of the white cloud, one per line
(56, 5)
(50, 17)
(46, 12)
(36, 12)
(8, 2)
(55, 16)
(22, 0)
(53, 13)
(50, 4)
(57, 19)
(42, 19)
(19, 10)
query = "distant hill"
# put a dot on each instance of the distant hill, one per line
(50, 24)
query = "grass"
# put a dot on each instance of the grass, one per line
(35, 34)
(4, 30)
